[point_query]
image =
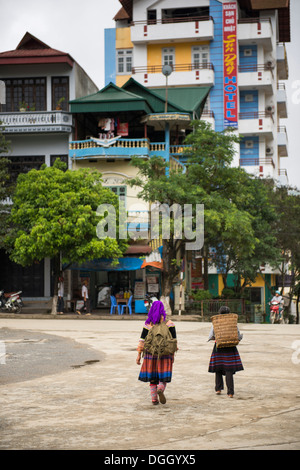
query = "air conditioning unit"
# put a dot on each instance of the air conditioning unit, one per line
(269, 151)
(270, 63)
(270, 109)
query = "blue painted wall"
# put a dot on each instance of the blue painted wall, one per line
(110, 55)
(216, 57)
(247, 59)
(249, 156)
(248, 106)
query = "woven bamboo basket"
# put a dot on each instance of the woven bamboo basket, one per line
(225, 329)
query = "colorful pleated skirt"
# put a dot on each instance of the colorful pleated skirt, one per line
(225, 360)
(156, 370)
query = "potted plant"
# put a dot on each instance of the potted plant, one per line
(23, 106)
(59, 103)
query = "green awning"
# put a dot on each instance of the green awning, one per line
(110, 99)
(135, 97)
(189, 99)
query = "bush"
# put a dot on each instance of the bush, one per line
(200, 294)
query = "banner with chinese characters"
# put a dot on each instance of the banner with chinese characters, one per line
(230, 65)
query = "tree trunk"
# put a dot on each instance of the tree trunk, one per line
(170, 270)
(55, 273)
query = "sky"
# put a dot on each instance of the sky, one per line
(77, 27)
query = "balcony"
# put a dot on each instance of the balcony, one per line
(282, 141)
(175, 29)
(255, 31)
(257, 77)
(183, 74)
(282, 63)
(125, 149)
(281, 101)
(256, 123)
(263, 167)
(36, 122)
(283, 176)
(120, 149)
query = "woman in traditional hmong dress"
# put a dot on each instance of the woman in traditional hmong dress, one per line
(224, 361)
(156, 370)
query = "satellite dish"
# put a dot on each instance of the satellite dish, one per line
(167, 70)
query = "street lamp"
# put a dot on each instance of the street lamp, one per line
(166, 70)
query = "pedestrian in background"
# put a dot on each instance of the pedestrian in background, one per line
(60, 296)
(224, 361)
(85, 298)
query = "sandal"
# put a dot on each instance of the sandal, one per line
(161, 396)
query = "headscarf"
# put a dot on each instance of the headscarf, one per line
(156, 311)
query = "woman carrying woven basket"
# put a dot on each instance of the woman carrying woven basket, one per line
(225, 359)
(158, 357)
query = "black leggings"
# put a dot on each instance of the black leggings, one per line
(229, 382)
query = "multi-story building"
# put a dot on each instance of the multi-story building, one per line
(39, 82)
(234, 47)
(236, 50)
(164, 58)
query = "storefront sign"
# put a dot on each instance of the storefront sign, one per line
(230, 84)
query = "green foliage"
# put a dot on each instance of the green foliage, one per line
(54, 212)
(200, 294)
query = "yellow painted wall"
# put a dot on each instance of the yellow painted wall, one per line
(123, 41)
(123, 38)
(118, 169)
(121, 79)
(183, 52)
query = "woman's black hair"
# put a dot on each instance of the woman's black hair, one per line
(224, 309)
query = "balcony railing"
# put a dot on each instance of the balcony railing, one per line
(183, 19)
(123, 148)
(256, 68)
(257, 161)
(255, 115)
(36, 121)
(175, 68)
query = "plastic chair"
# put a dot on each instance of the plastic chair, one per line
(113, 304)
(127, 305)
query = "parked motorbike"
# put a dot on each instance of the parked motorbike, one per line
(149, 301)
(11, 303)
(275, 315)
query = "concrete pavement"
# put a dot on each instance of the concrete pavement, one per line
(104, 406)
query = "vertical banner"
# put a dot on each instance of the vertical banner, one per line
(230, 74)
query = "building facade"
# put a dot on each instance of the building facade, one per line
(236, 49)
(39, 82)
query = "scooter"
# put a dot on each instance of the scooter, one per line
(11, 303)
(275, 314)
(149, 301)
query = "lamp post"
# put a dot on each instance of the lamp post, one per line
(166, 70)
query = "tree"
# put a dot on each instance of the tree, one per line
(286, 202)
(209, 180)
(54, 215)
(251, 196)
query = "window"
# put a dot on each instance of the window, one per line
(168, 56)
(60, 93)
(124, 61)
(200, 56)
(63, 158)
(31, 92)
(151, 16)
(121, 192)
(24, 165)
